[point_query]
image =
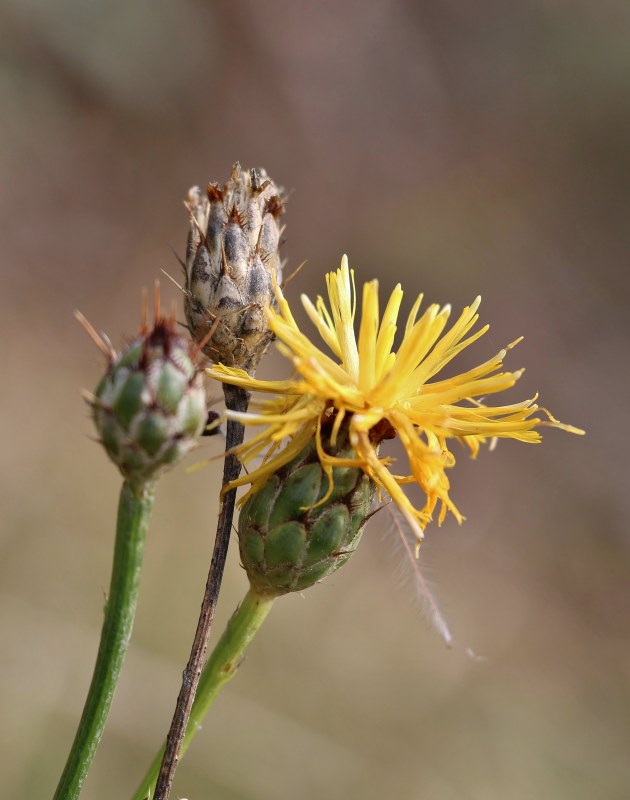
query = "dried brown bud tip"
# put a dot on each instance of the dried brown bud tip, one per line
(231, 255)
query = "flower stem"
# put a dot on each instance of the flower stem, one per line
(221, 667)
(134, 511)
(236, 399)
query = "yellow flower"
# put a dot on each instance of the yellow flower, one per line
(379, 393)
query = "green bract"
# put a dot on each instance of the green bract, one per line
(287, 541)
(150, 406)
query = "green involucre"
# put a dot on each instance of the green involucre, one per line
(287, 541)
(150, 406)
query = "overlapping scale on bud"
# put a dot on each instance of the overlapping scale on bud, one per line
(288, 540)
(150, 406)
(231, 255)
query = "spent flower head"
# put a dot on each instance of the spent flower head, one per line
(150, 405)
(365, 392)
(231, 256)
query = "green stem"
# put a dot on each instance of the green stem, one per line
(134, 510)
(220, 668)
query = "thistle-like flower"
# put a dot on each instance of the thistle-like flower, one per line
(343, 405)
(150, 406)
(231, 255)
(309, 500)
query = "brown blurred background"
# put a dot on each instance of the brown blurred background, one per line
(459, 148)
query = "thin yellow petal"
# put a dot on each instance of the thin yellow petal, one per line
(368, 334)
(321, 322)
(383, 477)
(384, 357)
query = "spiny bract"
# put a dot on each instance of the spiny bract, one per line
(231, 257)
(150, 405)
(297, 528)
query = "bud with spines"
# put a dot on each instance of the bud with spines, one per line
(287, 541)
(231, 256)
(150, 406)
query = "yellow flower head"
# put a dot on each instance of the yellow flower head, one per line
(379, 393)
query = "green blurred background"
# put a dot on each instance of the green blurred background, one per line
(459, 148)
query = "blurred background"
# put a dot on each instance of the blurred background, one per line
(458, 148)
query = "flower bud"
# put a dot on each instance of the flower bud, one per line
(287, 541)
(150, 405)
(231, 256)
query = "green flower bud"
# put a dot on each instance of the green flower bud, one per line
(231, 256)
(287, 541)
(150, 405)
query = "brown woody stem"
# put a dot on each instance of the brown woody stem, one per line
(236, 399)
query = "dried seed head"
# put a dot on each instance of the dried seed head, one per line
(296, 529)
(231, 256)
(150, 406)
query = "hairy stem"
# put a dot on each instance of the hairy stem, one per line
(221, 667)
(236, 399)
(134, 510)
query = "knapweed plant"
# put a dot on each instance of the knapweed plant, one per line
(148, 409)
(321, 435)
